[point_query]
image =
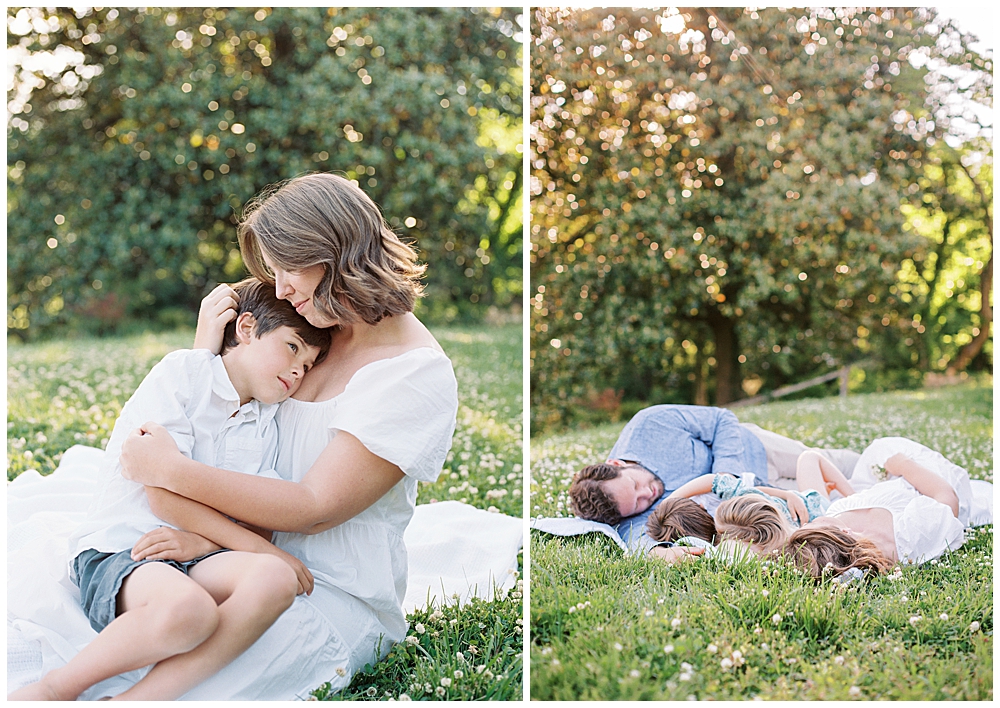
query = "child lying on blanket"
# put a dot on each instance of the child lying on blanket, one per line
(764, 520)
(163, 596)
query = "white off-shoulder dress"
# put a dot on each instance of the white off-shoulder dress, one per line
(402, 409)
(923, 528)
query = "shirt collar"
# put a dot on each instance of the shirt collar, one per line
(223, 387)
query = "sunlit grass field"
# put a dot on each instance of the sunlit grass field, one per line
(63, 393)
(609, 627)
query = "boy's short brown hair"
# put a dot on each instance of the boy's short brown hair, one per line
(588, 500)
(270, 313)
(675, 518)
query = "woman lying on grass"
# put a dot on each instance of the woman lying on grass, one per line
(917, 513)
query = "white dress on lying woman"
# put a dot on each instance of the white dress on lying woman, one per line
(402, 409)
(923, 527)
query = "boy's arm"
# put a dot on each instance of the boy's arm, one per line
(195, 517)
(795, 504)
(698, 485)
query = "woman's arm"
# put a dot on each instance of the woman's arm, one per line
(923, 480)
(344, 481)
(209, 524)
(217, 309)
(698, 485)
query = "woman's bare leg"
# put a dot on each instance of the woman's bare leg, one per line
(163, 613)
(252, 590)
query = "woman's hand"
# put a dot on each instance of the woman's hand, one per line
(166, 543)
(147, 454)
(218, 309)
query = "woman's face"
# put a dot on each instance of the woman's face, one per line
(298, 287)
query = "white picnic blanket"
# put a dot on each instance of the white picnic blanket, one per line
(454, 550)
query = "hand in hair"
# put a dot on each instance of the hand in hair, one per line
(675, 554)
(218, 309)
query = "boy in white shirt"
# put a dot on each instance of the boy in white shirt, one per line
(162, 596)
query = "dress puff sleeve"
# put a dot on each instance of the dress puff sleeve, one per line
(403, 409)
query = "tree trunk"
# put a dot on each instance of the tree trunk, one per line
(700, 379)
(727, 365)
(971, 350)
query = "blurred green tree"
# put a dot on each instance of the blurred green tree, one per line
(136, 135)
(716, 192)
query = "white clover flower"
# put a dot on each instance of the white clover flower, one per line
(685, 675)
(854, 691)
(726, 663)
(776, 619)
(341, 671)
(765, 593)
(914, 619)
(974, 627)
(838, 660)
(371, 691)
(712, 649)
(675, 622)
(439, 691)
(409, 640)
(445, 681)
(668, 649)
(419, 628)
(649, 613)
(459, 674)
(634, 673)
(404, 697)
(618, 647)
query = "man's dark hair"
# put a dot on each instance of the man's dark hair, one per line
(588, 500)
(269, 314)
(675, 518)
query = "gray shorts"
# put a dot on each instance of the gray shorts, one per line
(100, 577)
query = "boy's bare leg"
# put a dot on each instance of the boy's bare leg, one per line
(163, 613)
(252, 590)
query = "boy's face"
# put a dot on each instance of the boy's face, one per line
(274, 364)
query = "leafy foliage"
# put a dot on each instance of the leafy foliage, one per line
(133, 147)
(715, 198)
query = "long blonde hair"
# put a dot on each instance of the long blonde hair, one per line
(752, 518)
(830, 550)
(323, 219)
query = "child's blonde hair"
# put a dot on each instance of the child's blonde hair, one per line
(324, 219)
(752, 518)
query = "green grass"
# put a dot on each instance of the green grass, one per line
(609, 627)
(62, 393)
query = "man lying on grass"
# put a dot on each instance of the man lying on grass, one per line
(663, 447)
(189, 602)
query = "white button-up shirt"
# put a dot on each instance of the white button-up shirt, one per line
(190, 394)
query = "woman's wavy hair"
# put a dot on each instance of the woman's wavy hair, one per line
(752, 518)
(826, 550)
(323, 219)
(676, 518)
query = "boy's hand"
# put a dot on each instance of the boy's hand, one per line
(306, 580)
(797, 508)
(166, 543)
(218, 309)
(676, 554)
(145, 452)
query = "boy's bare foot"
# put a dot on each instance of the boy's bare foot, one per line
(39, 691)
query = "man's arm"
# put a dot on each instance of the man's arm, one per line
(720, 430)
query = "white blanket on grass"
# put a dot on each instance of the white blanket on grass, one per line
(456, 552)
